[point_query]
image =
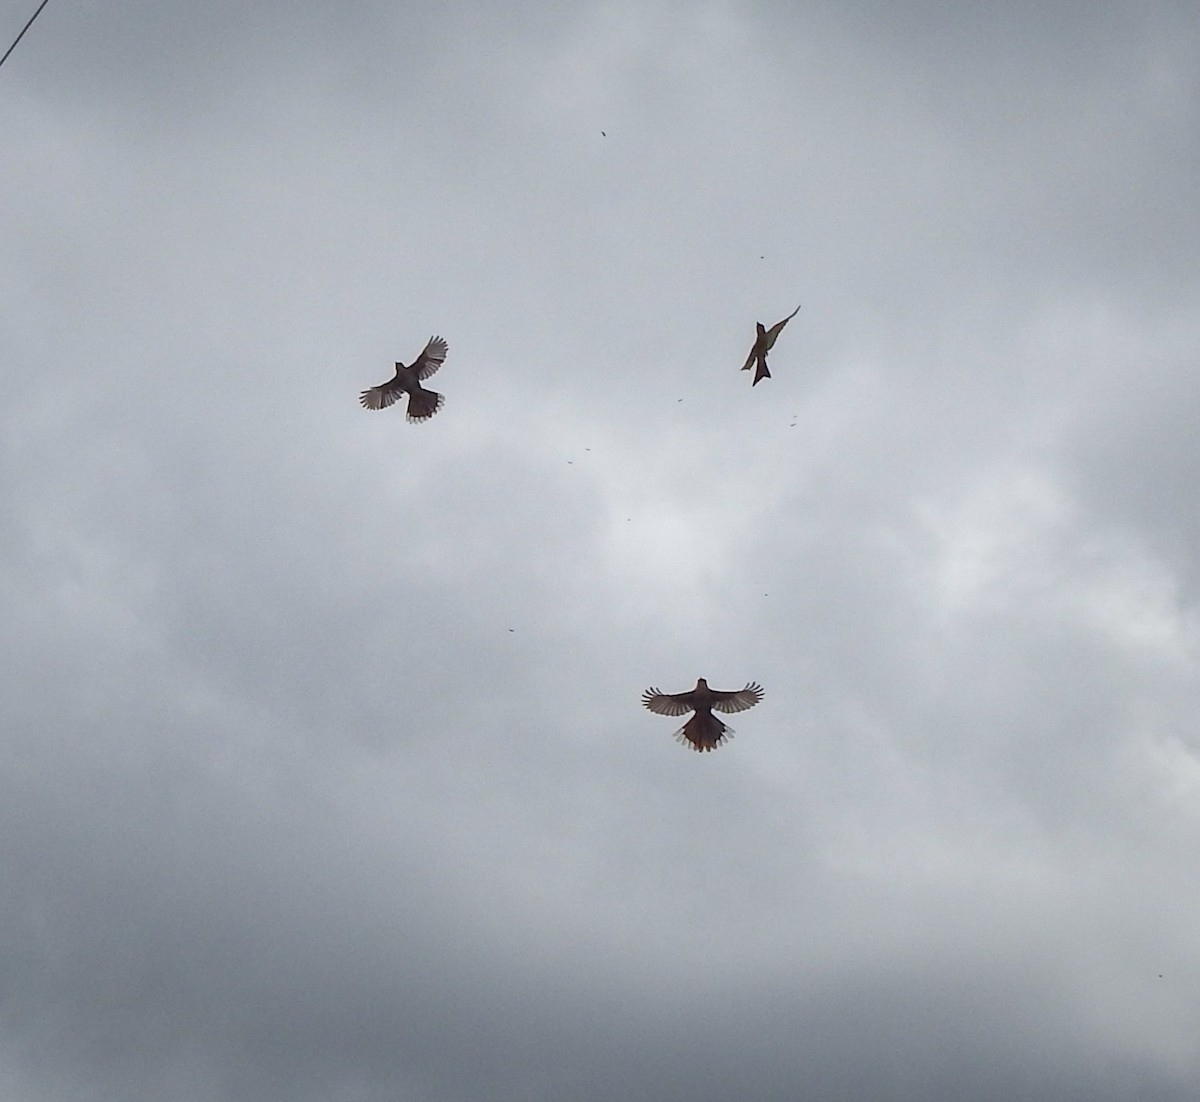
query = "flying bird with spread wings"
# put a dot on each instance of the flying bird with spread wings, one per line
(704, 731)
(422, 403)
(763, 343)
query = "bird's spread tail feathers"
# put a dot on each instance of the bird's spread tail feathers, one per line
(704, 732)
(423, 404)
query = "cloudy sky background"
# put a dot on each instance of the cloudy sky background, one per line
(324, 771)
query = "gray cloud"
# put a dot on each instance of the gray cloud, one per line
(325, 774)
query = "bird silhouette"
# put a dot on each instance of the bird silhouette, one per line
(422, 403)
(704, 731)
(764, 341)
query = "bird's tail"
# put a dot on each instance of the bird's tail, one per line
(423, 404)
(760, 371)
(704, 732)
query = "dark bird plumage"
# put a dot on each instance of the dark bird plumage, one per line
(764, 341)
(422, 403)
(703, 731)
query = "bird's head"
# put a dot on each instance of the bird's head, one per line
(700, 684)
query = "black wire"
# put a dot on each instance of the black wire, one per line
(23, 30)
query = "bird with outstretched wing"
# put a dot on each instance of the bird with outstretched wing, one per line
(764, 341)
(422, 403)
(703, 731)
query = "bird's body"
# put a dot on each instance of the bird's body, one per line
(422, 403)
(703, 731)
(764, 341)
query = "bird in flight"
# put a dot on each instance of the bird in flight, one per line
(764, 341)
(704, 731)
(422, 403)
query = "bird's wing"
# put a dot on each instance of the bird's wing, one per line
(757, 349)
(433, 356)
(667, 704)
(382, 396)
(777, 328)
(738, 701)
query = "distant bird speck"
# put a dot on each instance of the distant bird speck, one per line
(602, 134)
(422, 403)
(763, 343)
(703, 731)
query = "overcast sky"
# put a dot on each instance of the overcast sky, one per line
(324, 773)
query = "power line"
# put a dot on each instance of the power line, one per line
(23, 30)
